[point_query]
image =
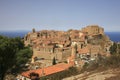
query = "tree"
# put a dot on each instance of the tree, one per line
(23, 55)
(54, 61)
(18, 42)
(7, 55)
(12, 53)
(119, 48)
(113, 48)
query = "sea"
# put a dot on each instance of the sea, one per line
(114, 36)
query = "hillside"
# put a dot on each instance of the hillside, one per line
(99, 74)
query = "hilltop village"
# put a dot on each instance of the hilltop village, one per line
(67, 48)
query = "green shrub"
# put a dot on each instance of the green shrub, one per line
(113, 61)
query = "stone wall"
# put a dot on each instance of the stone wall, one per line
(93, 30)
(60, 55)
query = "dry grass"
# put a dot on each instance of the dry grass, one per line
(117, 77)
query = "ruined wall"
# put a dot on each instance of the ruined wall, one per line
(46, 55)
(40, 54)
(93, 30)
(66, 54)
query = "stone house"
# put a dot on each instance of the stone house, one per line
(84, 53)
(48, 44)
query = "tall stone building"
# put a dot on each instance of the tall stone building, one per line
(93, 30)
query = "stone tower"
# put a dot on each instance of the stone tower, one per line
(93, 30)
(33, 30)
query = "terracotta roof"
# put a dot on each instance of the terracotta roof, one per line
(48, 70)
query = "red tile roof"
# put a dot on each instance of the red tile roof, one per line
(48, 70)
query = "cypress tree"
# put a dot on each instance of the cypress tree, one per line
(54, 61)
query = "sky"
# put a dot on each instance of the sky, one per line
(59, 14)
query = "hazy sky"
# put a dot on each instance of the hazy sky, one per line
(59, 14)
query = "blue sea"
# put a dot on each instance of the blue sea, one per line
(114, 36)
(14, 33)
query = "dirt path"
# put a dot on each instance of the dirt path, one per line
(103, 75)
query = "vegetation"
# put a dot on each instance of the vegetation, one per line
(102, 65)
(54, 61)
(23, 55)
(113, 61)
(106, 62)
(113, 48)
(12, 54)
